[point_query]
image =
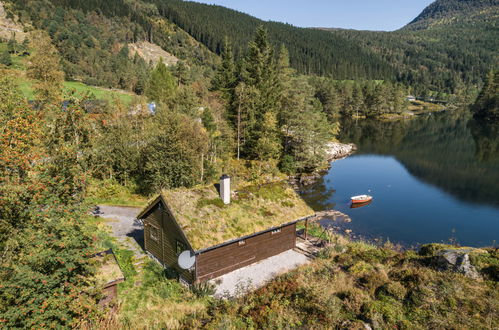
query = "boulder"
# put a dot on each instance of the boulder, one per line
(335, 150)
(456, 260)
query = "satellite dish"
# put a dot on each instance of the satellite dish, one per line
(186, 259)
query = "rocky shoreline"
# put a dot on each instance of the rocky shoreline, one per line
(334, 151)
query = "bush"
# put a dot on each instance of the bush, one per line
(429, 250)
(392, 289)
(203, 289)
(47, 283)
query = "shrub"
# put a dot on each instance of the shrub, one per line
(203, 289)
(392, 289)
(429, 250)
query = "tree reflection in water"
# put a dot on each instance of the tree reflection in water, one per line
(448, 150)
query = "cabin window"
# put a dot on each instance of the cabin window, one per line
(241, 243)
(277, 231)
(180, 247)
(154, 233)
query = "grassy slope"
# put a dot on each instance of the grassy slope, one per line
(366, 284)
(25, 84)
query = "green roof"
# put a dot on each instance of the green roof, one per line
(207, 222)
(108, 270)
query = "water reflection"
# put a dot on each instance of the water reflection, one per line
(450, 151)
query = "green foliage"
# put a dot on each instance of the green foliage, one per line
(49, 270)
(365, 284)
(311, 50)
(92, 37)
(173, 156)
(5, 58)
(447, 52)
(44, 242)
(111, 192)
(487, 104)
(203, 289)
(161, 86)
(125, 260)
(443, 11)
(364, 98)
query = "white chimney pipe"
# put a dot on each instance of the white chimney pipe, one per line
(225, 188)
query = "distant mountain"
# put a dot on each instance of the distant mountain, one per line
(449, 48)
(445, 12)
(431, 54)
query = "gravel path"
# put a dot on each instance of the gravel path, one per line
(256, 275)
(125, 227)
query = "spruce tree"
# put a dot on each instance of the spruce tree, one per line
(260, 72)
(161, 87)
(5, 58)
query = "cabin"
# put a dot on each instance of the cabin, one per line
(206, 232)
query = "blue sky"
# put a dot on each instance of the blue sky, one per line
(386, 15)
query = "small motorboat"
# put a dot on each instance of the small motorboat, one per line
(357, 205)
(361, 199)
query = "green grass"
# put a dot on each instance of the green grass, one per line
(99, 93)
(109, 192)
(80, 89)
(18, 62)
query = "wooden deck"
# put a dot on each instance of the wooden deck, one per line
(309, 247)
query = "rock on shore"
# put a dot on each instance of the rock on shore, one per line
(336, 150)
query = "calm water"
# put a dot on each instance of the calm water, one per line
(433, 179)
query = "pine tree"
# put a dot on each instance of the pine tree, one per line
(5, 58)
(161, 87)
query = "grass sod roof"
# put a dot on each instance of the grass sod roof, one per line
(207, 222)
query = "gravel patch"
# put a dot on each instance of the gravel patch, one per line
(125, 227)
(256, 275)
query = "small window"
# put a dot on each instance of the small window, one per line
(154, 233)
(277, 231)
(241, 243)
(180, 247)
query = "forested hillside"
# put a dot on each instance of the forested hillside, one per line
(90, 36)
(448, 49)
(311, 51)
(442, 12)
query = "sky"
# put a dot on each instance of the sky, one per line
(379, 15)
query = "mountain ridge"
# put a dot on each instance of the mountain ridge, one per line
(445, 12)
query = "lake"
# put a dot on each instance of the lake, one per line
(434, 178)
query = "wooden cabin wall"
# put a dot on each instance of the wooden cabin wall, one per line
(151, 222)
(227, 258)
(165, 250)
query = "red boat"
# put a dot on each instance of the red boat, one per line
(357, 205)
(361, 199)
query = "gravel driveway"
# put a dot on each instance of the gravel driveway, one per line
(125, 227)
(256, 275)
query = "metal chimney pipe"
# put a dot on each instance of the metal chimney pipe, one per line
(225, 188)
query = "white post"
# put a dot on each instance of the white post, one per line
(225, 188)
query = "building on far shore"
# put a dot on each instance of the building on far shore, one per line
(206, 232)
